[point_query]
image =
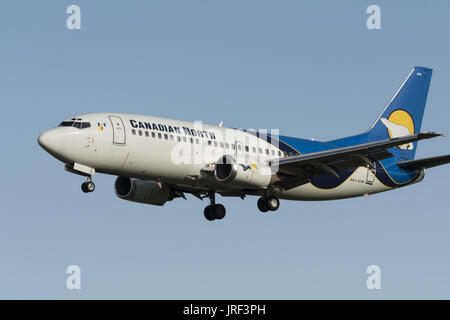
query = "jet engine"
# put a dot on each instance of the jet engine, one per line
(248, 175)
(143, 191)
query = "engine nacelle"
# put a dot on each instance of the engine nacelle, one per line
(242, 175)
(143, 191)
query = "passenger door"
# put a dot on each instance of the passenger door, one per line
(118, 130)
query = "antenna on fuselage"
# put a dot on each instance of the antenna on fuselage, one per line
(220, 123)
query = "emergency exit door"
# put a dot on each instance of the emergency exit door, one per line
(371, 171)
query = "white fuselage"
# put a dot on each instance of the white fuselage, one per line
(179, 152)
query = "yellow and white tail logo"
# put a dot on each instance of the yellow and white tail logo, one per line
(400, 124)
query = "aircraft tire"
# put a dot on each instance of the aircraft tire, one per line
(84, 187)
(209, 213)
(90, 186)
(262, 205)
(219, 211)
(273, 203)
(87, 186)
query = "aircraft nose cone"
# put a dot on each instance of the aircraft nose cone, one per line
(50, 141)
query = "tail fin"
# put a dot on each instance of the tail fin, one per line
(404, 113)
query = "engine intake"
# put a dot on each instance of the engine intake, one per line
(142, 191)
(226, 169)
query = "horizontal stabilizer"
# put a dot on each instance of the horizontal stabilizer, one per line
(426, 162)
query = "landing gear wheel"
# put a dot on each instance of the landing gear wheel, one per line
(273, 203)
(209, 213)
(214, 211)
(88, 186)
(219, 211)
(262, 205)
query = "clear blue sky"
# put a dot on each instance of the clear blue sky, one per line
(309, 68)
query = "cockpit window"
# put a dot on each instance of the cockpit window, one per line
(66, 124)
(76, 124)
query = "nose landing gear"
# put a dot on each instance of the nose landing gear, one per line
(214, 211)
(88, 186)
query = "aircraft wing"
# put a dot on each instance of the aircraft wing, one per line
(297, 170)
(426, 162)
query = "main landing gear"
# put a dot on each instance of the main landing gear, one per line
(88, 186)
(214, 210)
(271, 203)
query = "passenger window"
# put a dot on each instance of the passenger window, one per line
(273, 152)
(133, 131)
(221, 145)
(191, 140)
(146, 133)
(254, 150)
(209, 142)
(233, 147)
(153, 135)
(279, 153)
(140, 132)
(246, 148)
(259, 150)
(196, 141)
(267, 151)
(227, 145)
(166, 136)
(171, 137)
(178, 138)
(159, 135)
(184, 139)
(215, 143)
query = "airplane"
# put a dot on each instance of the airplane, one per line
(157, 160)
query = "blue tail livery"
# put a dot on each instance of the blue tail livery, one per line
(404, 113)
(401, 117)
